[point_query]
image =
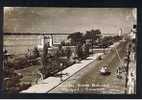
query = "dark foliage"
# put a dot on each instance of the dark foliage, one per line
(76, 38)
(93, 35)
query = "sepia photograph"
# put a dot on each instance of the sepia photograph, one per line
(69, 50)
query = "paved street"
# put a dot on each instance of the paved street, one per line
(89, 80)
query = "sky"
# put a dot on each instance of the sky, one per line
(67, 20)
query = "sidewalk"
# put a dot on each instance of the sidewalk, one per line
(50, 83)
(132, 75)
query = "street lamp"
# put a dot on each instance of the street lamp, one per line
(61, 66)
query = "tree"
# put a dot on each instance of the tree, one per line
(116, 38)
(60, 51)
(93, 35)
(76, 38)
(36, 52)
(79, 51)
(86, 50)
(68, 52)
(107, 41)
(45, 58)
(63, 43)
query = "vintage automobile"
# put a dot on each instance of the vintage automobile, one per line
(104, 70)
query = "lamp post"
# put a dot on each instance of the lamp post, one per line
(61, 66)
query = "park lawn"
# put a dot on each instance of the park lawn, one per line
(29, 74)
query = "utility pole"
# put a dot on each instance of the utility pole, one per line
(61, 77)
(118, 56)
(92, 47)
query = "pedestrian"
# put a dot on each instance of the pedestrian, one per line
(118, 73)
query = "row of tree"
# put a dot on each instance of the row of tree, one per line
(79, 38)
(94, 38)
